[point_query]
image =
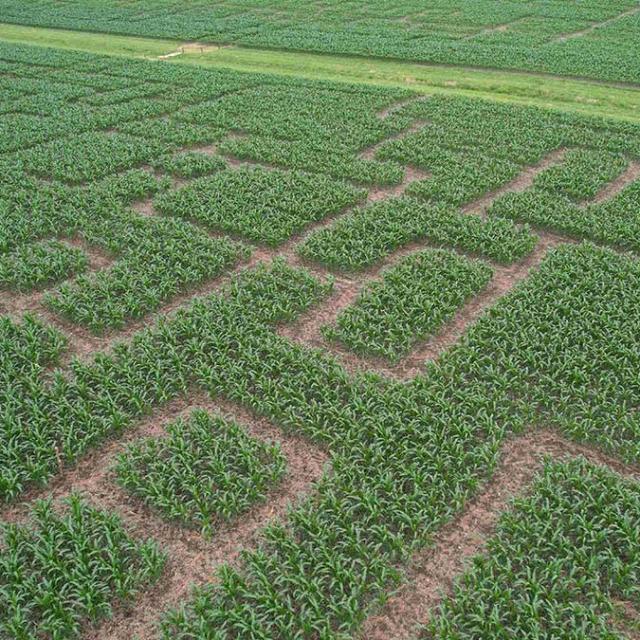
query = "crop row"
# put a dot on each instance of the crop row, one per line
(266, 206)
(373, 232)
(206, 471)
(88, 157)
(582, 174)
(64, 570)
(471, 33)
(561, 562)
(615, 221)
(169, 257)
(412, 301)
(37, 265)
(189, 164)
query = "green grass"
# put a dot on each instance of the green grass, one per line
(473, 33)
(578, 96)
(85, 41)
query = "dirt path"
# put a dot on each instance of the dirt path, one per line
(192, 559)
(598, 25)
(431, 573)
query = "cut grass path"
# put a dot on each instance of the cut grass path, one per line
(567, 94)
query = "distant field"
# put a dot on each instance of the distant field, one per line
(589, 38)
(286, 359)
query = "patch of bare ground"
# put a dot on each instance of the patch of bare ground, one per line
(630, 175)
(212, 148)
(431, 573)
(382, 193)
(597, 25)
(522, 182)
(192, 559)
(98, 258)
(626, 620)
(206, 149)
(191, 47)
(144, 208)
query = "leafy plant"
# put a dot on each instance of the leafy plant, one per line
(62, 571)
(34, 266)
(208, 470)
(412, 301)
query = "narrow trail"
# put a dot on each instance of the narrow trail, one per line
(598, 25)
(431, 573)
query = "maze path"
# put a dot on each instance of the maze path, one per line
(430, 574)
(194, 550)
(193, 560)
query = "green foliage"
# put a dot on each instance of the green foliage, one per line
(62, 571)
(206, 471)
(312, 128)
(477, 33)
(581, 174)
(172, 132)
(411, 302)
(371, 233)
(48, 423)
(259, 204)
(559, 560)
(169, 256)
(190, 164)
(37, 265)
(566, 340)
(561, 350)
(615, 221)
(88, 156)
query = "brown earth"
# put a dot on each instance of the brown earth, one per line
(431, 573)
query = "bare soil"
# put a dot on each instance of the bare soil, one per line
(631, 174)
(431, 574)
(192, 559)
